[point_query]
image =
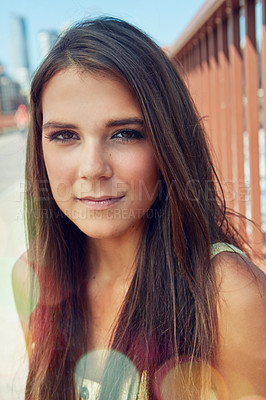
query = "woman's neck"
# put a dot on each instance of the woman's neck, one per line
(113, 259)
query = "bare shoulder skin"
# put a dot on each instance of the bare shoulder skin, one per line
(25, 294)
(242, 326)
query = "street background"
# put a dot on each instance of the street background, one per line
(13, 365)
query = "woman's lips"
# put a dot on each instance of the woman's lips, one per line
(100, 203)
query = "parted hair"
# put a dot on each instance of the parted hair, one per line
(169, 312)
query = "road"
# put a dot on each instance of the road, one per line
(12, 158)
(13, 365)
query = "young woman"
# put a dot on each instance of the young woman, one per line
(138, 288)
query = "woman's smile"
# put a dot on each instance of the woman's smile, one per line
(100, 203)
(99, 160)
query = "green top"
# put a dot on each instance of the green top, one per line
(90, 389)
(219, 247)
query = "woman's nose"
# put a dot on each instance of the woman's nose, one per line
(95, 162)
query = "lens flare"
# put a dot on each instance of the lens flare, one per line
(106, 373)
(255, 397)
(183, 380)
(26, 289)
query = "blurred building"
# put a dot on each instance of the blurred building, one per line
(10, 94)
(20, 69)
(46, 40)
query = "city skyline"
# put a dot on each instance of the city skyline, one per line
(164, 22)
(46, 39)
(20, 67)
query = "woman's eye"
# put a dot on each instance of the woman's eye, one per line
(126, 135)
(63, 136)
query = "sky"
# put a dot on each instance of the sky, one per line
(163, 20)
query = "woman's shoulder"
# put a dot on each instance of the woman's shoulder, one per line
(241, 284)
(21, 275)
(25, 291)
(235, 272)
(241, 323)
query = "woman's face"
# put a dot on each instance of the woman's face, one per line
(99, 160)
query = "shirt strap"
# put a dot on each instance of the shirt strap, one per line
(219, 247)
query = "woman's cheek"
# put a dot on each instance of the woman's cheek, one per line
(61, 175)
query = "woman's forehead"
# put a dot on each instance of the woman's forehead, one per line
(87, 98)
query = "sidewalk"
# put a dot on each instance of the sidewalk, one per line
(13, 364)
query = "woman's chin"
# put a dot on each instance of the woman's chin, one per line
(110, 230)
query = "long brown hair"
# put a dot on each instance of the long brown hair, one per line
(169, 312)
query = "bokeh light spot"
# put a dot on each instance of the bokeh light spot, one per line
(182, 381)
(26, 289)
(107, 372)
(255, 397)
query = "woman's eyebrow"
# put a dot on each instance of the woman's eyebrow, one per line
(110, 124)
(58, 125)
(125, 121)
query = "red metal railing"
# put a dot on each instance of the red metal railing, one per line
(221, 67)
